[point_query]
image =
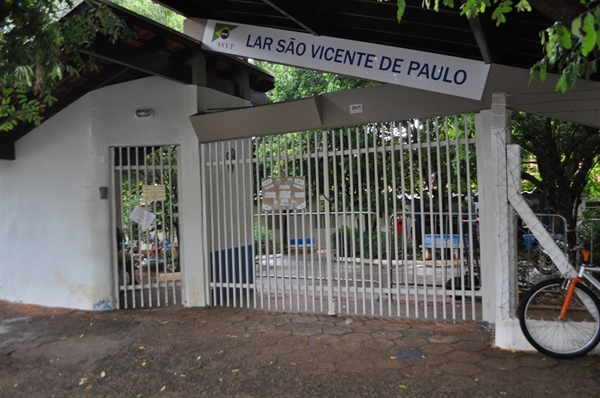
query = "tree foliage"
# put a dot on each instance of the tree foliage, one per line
(294, 83)
(571, 45)
(34, 44)
(154, 11)
(565, 156)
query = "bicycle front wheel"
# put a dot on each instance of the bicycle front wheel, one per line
(573, 336)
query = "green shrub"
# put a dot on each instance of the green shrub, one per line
(589, 232)
(263, 238)
(350, 240)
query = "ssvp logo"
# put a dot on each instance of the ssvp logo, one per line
(222, 31)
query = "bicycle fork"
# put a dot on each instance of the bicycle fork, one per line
(570, 286)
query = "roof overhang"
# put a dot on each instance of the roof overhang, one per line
(395, 103)
(156, 50)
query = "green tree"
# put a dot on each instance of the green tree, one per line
(154, 11)
(35, 38)
(293, 83)
(571, 45)
(565, 156)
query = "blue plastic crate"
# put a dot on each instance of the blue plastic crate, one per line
(300, 242)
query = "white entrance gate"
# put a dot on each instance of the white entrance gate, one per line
(389, 226)
(147, 235)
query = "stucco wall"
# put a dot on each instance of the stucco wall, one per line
(50, 216)
(55, 231)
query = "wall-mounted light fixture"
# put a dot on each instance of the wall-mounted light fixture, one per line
(103, 192)
(145, 112)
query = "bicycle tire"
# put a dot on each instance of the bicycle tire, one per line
(539, 311)
(543, 263)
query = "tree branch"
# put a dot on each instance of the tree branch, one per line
(564, 11)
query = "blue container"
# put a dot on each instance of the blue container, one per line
(233, 267)
(529, 239)
(300, 242)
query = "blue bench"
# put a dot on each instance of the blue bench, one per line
(301, 244)
(443, 241)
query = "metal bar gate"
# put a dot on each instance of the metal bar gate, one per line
(378, 220)
(145, 212)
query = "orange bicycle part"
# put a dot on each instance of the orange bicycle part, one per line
(586, 255)
(567, 302)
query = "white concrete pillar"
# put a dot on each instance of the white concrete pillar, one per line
(497, 220)
(498, 223)
(488, 203)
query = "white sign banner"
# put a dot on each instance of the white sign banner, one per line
(410, 68)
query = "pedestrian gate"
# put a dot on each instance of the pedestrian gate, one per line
(145, 213)
(375, 220)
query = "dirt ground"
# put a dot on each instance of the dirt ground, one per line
(221, 352)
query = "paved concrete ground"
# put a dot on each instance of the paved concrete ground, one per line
(217, 352)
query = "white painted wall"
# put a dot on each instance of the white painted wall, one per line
(52, 216)
(55, 231)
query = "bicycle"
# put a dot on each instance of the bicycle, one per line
(560, 317)
(539, 257)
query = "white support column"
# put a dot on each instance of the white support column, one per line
(498, 165)
(496, 216)
(488, 203)
(558, 256)
(498, 223)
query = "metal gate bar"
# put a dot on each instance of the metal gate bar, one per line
(359, 181)
(147, 262)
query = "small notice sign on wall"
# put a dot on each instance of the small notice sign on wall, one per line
(153, 192)
(284, 193)
(356, 108)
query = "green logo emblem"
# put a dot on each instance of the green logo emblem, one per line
(222, 31)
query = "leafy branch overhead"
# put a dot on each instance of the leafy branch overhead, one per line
(34, 45)
(571, 45)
